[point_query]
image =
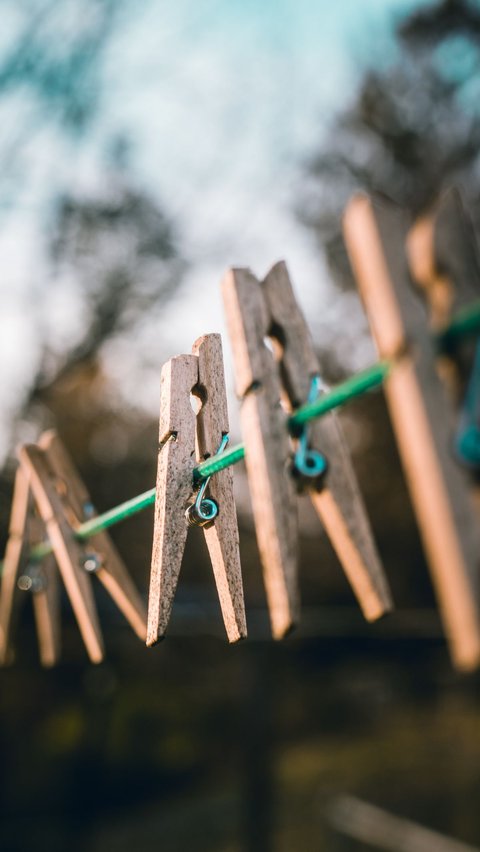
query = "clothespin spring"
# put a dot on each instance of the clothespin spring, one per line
(33, 580)
(204, 510)
(308, 463)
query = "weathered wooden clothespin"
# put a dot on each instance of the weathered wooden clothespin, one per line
(41, 579)
(185, 439)
(63, 504)
(375, 233)
(257, 311)
(267, 445)
(338, 501)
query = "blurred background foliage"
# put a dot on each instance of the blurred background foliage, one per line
(412, 130)
(196, 744)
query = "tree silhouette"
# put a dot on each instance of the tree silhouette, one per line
(412, 130)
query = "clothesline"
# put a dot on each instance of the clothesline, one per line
(464, 324)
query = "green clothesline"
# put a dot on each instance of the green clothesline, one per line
(351, 388)
(466, 323)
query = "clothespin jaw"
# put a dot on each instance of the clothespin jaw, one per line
(41, 580)
(338, 503)
(184, 439)
(267, 445)
(375, 234)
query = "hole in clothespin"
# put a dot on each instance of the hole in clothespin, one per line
(61, 486)
(278, 341)
(275, 342)
(196, 403)
(198, 397)
(255, 386)
(268, 343)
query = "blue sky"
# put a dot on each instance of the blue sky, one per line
(223, 102)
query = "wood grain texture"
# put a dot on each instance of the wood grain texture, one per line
(339, 504)
(68, 553)
(222, 536)
(375, 235)
(267, 445)
(176, 460)
(113, 573)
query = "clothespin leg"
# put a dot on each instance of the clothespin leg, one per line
(341, 510)
(176, 461)
(222, 535)
(267, 446)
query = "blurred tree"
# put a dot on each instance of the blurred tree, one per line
(413, 128)
(114, 247)
(121, 252)
(110, 252)
(54, 55)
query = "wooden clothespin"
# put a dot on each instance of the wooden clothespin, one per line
(267, 445)
(185, 439)
(101, 554)
(268, 309)
(63, 504)
(338, 502)
(41, 579)
(375, 233)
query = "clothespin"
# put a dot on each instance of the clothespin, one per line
(63, 503)
(375, 233)
(185, 439)
(40, 579)
(267, 445)
(268, 310)
(338, 501)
